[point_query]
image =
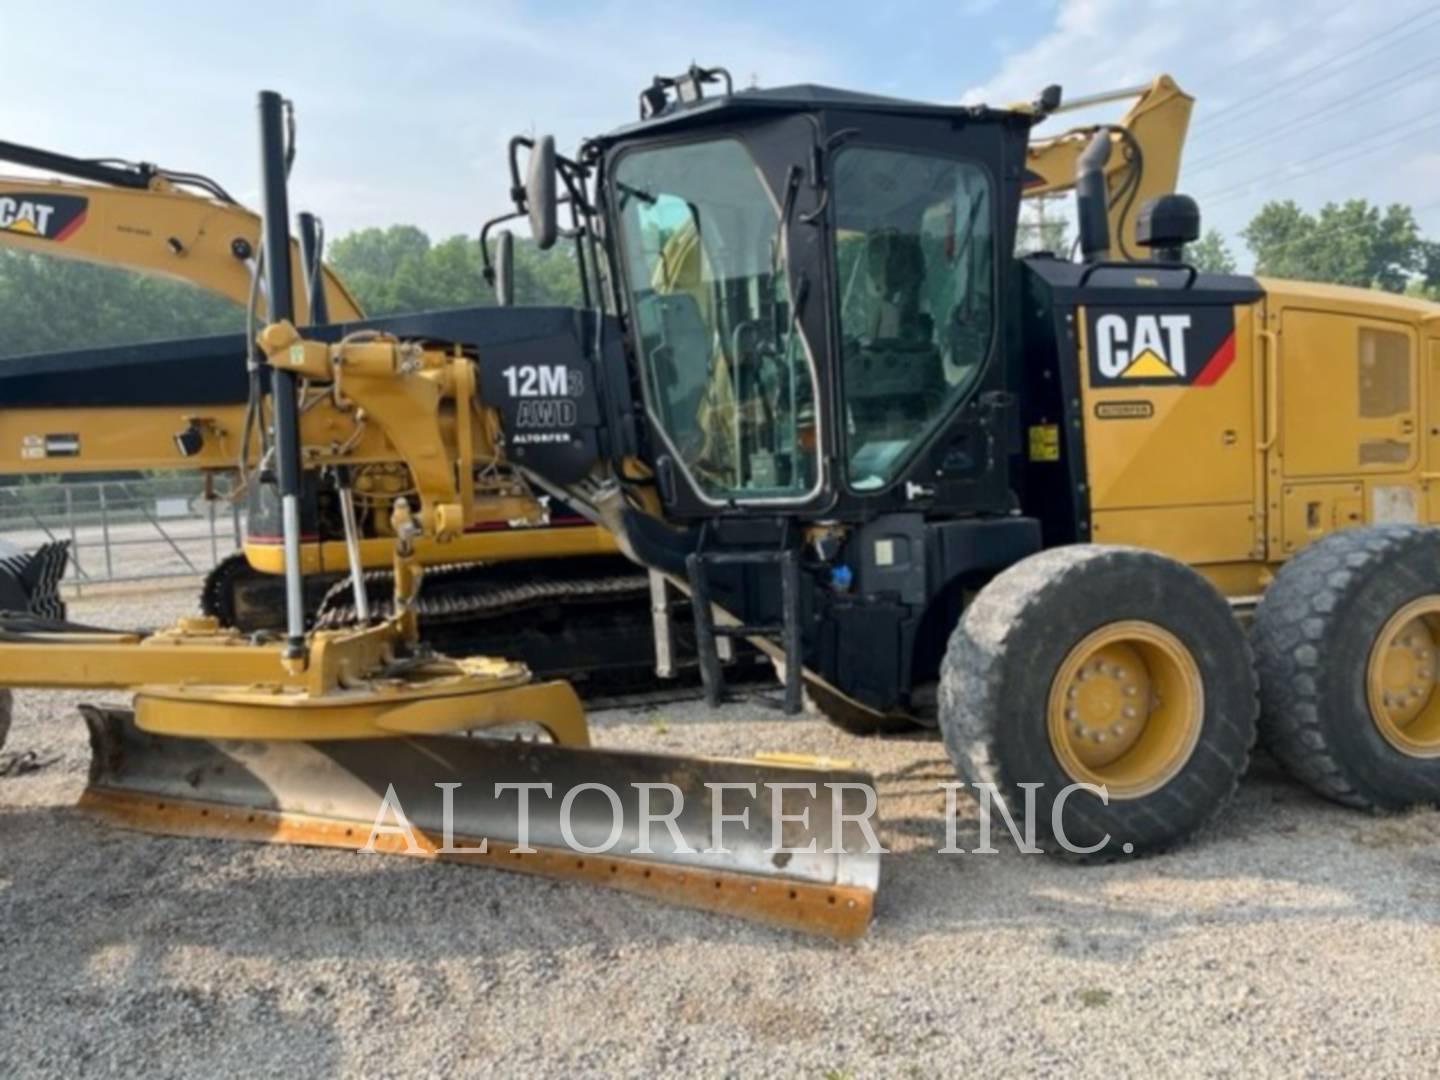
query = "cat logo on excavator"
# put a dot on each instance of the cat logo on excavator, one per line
(49, 217)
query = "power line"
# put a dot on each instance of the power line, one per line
(1346, 152)
(1284, 41)
(1337, 62)
(1309, 119)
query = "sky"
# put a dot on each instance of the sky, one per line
(405, 109)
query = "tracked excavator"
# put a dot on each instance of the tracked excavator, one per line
(814, 390)
(531, 577)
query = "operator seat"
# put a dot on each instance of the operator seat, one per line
(894, 372)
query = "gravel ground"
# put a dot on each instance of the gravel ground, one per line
(1293, 938)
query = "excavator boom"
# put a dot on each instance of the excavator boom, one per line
(144, 219)
(1144, 161)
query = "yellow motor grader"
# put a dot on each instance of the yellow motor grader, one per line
(529, 576)
(813, 389)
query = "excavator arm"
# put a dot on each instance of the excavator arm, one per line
(1144, 162)
(142, 218)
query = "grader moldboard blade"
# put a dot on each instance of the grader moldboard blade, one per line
(331, 794)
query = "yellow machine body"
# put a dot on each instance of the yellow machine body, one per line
(198, 680)
(1325, 417)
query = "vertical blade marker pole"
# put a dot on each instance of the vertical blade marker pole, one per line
(283, 384)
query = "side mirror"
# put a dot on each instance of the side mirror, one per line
(505, 268)
(540, 193)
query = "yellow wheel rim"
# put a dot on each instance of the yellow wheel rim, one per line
(1126, 709)
(1400, 680)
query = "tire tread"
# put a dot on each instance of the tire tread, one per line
(1011, 606)
(1291, 624)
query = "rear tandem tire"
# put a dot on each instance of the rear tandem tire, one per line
(1112, 666)
(1347, 640)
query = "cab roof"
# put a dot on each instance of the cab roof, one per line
(801, 97)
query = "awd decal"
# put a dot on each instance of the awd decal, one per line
(546, 408)
(45, 217)
(1135, 346)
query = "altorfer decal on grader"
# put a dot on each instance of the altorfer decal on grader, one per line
(811, 388)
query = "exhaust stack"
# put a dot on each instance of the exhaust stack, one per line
(1091, 197)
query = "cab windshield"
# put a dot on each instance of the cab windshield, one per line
(727, 375)
(914, 263)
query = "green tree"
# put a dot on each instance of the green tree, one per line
(1043, 226)
(399, 269)
(1211, 254)
(546, 277)
(1350, 243)
(49, 304)
(380, 265)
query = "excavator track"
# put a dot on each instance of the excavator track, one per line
(587, 620)
(238, 595)
(460, 591)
